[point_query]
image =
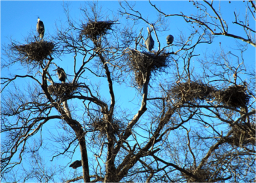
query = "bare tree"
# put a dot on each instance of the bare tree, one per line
(192, 123)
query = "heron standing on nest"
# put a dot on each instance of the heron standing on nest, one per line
(149, 41)
(61, 74)
(40, 28)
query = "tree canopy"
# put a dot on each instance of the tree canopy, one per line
(182, 112)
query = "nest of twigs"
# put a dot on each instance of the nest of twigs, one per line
(94, 30)
(62, 89)
(143, 62)
(203, 175)
(34, 51)
(139, 78)
(101, 125)
(233, 96)
(191, 91)
(242, 134)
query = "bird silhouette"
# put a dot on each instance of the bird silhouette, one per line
(40, 28)
(61, 74)
(149, 41)
(76, 164)
(169, 39)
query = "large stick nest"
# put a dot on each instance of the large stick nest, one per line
(62, 89)
(143, 62)
(203, 175)
(34, 51)
(94, 30)
(242, 134)
(101, 125)
(233, 96)
(139, 78)
(191, 91)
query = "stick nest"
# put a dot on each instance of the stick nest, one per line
(34, 51)
(101, 125)
(62, 89)
(233, 96)
(143, 62)
(139, 78)
(94, 30)
(203, 175)
(242, 134)
(191, 91)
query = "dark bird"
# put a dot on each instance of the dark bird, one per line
(40, 28)
(76, 164)
(149, 41)
(169, 39)
(61, 74)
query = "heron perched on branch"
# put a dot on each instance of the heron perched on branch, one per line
(40, 28)
(61, 74)
(76, 164)
(62, 77)
(169, 39)
(149, 41)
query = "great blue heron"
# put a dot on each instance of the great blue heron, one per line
(61, 74)
(149, 41)
(40, 28)
(76, 164)
(169, 39)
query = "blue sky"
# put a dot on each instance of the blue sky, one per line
(21, 16)
(18, 18)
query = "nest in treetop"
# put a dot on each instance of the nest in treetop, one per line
(139, 78)
(34, 52)
(100, 125)
(62, 89)
(191, 91)
(242, 134)
(143, 62)
(203, 175)
(94, 30)
(233, 96)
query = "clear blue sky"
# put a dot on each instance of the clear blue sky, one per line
(20, 17)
